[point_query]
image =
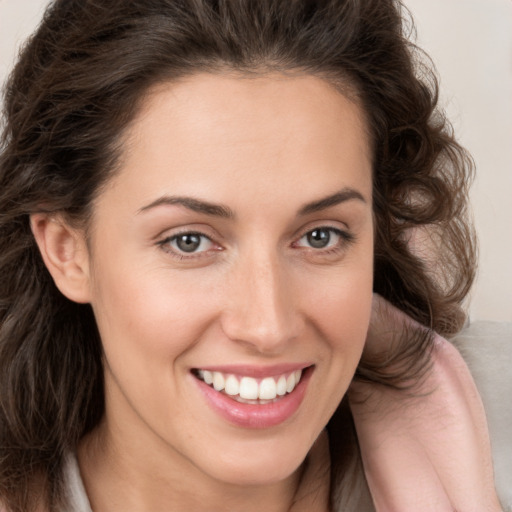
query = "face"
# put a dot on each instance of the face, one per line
(231, 274)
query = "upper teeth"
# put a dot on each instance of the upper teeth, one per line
(249, 388)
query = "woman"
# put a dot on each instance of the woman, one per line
(208, 211)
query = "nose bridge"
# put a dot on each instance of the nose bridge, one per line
(262, 312)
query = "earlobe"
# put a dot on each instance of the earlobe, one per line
(65, 255)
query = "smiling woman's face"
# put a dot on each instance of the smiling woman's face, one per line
(235, 245)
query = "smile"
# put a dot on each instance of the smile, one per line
(246, 389)
(254, 398)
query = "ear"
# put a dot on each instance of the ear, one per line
(65, 255)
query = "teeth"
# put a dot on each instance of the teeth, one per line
(290, 382)
(218, 381)
(232, 387)
(281, 386)
(268, 389)
(248, 388)
(208, 377)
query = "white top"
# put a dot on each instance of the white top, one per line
(76, 495)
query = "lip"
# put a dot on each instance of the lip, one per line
(258, 372)
(253, 415)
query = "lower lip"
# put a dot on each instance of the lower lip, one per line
(252, 415)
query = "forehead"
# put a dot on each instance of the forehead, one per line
(257, 133)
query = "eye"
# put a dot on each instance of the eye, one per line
(324, 238)
(188, 243)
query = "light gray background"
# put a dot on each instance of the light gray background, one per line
(471, 43)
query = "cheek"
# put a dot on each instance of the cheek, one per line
(148, 316)
(344, 325)
(340, 311)
(148, 326)
(340, 306)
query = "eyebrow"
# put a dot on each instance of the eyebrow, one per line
(195, 205)
(342, 196)
(218, 210)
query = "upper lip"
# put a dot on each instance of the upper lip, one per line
(256, 371)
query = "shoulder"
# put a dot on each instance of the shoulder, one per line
(452, 430)
(430, 451)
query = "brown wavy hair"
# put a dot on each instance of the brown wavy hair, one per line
(75, 88)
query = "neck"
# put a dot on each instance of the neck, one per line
(119, 479)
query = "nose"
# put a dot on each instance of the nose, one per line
(262, 311)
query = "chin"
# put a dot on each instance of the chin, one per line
(263, 463)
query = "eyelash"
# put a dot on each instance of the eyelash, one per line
(346, 239)
(165, 244)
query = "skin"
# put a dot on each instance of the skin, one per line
(255, 293)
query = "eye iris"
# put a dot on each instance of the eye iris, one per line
(188, 242)
(319, 238)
